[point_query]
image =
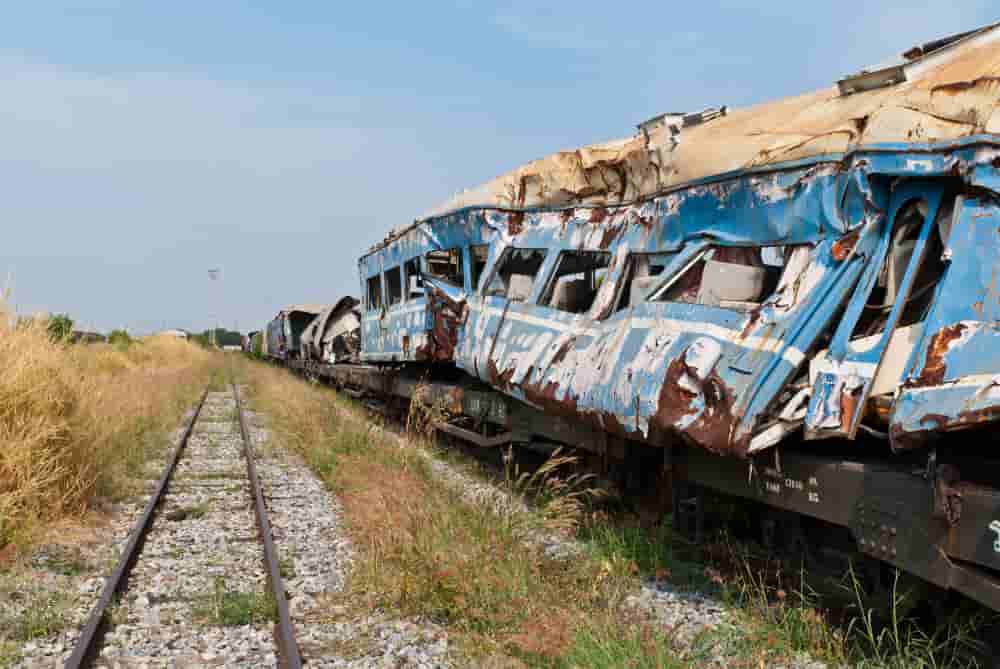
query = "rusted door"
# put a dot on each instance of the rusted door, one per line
(844, 375)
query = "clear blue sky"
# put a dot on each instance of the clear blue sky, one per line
(143, 142)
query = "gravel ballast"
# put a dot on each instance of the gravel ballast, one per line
(317, 555)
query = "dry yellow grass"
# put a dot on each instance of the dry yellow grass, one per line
(77, 420)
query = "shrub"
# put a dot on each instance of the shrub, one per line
(60, 327)
(120, 339)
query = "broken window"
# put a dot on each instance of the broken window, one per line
(641, 271)
(515, 274)
(374, 292)
(885, 292)
(411, 274)
(574, 285)
(479, 255)
(447, 266)
(737, 278)
(393, 286)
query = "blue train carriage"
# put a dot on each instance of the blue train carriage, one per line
(434, 261)
(824, 265)
(284, 333)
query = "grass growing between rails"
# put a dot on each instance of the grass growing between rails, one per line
(224, 606)
(79, 422)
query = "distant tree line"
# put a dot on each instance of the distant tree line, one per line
(223, 337)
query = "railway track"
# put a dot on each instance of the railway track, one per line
(196, 553)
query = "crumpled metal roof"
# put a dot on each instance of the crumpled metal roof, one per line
(949, 92)
(314, 309)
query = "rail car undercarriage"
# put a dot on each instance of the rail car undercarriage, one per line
(917, 514)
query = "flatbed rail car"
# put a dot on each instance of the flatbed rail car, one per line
(794, 303)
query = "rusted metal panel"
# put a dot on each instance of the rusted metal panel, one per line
(716, 375)
(948, 94)
(407, 330)
(953, 381)
(541, 283)
(842, 386)
(335, 334)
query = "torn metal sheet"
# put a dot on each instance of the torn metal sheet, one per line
(947, 94)
(676, 292)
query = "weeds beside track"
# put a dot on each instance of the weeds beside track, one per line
(427, 551)
(77, 422)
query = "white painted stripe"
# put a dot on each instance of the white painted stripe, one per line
(972, 380)
(822, 363)
(765, 345)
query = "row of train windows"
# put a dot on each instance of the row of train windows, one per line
(404, 283)
(738, 278)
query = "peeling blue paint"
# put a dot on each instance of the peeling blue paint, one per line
(729, 379)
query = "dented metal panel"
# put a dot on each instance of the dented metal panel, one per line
(843, 385)
(949, 94)
(953, 380)
(600, 285)
(725, 375)
(408, 330)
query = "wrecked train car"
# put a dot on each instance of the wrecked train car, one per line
(398, 322)
(793, 303)
(283, 334)
(727, 249)
(334, 336)
(745, 282)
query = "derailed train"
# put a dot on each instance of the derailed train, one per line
(795, 303)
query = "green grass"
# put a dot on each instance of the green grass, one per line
(604, 648)
(286, 567)
(219, 382)
(656, 552)
(195, 512)
(10, 653)
(65, 561)
(45, 616)
(232, 607)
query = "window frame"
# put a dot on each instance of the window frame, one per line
(473, 279)
(625, 281)
(698, 253)
(398, 270)
(502, 260)
(456, 250)
(415, 263)
(545, 297)
(377, 279)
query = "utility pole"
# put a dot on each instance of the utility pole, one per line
(214, 275)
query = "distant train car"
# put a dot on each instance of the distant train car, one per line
(284, 333)
(247, 340)
(335, 335)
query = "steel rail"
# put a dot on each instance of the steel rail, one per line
(86, 646)
(284, 633)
